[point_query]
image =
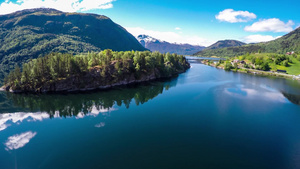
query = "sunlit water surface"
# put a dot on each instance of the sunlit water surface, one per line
(205, 118)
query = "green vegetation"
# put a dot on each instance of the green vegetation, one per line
(229, 51)
(33, 33)
(227, 66)
(287, 43)
(224, 44)
(99, 69)
(266, 62)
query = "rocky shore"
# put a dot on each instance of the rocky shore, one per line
(93, 81)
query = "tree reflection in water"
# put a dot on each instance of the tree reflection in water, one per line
(73, 104)
(292, 98)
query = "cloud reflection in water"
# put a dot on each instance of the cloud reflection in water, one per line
(267, 93)
(40, 107)
(7, 119)
(19, 140)
(19, 117)
(102, 124)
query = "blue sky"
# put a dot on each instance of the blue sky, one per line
(194, 22)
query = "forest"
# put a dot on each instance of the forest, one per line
(32, 33)
(107, 66)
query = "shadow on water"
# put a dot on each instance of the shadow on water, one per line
(292, 98)
(73, 104)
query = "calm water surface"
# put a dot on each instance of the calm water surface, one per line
(205, 118)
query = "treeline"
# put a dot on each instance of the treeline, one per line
(110, 65)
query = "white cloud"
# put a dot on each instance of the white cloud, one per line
(3, 126)
(258, 38)
(5, 118)
(229, 15)
(172, 37)
(253, 94)
(10, 6)
(270, 25)
(19, 140)
(95, 111)
(177, 28)
(102, 124)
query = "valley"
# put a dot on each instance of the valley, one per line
(149, 84)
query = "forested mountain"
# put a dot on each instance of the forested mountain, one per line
(164, 47)
(219, 45)
(32, 33)
(287, 43)
(225, 43)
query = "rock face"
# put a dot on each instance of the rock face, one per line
(92, 81)
(163, 47)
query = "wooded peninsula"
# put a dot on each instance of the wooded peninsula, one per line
(59, 72)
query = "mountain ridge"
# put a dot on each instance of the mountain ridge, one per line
(154, 44)
(32, 33)
(287, 43)
(225, 43)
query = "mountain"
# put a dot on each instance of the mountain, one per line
(162, 46)
(225, 43)
(287, 43)
(32, 33)
(219, 45)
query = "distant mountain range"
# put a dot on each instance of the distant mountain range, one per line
(225, 43)
(219, 45)
(28, 34)
(287, 43)
(162, 46)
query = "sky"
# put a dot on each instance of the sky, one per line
(185, 21)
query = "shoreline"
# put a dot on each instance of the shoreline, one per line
(258, 72)
(123, 83)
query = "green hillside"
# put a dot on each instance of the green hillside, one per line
(287, 43)
(224, 44)
(29, 34)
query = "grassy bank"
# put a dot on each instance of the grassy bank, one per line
(266, 64)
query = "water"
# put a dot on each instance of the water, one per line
(205, 118)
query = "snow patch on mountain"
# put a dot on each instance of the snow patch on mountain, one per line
(154, 44)
(148, 39)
